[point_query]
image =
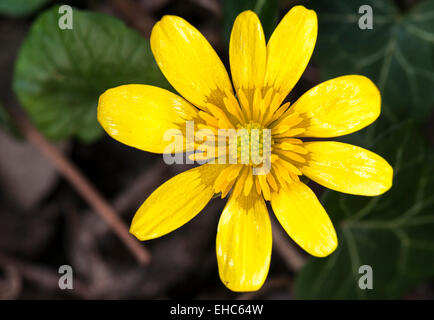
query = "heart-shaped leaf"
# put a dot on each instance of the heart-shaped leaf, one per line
(397, 54)
(392, 233)
(60, 73)
(18, 8)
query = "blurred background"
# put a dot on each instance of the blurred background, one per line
(68, 192)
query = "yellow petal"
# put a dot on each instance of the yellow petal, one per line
(304, 219)
(175, 202)
(189, 62)
(244, 243)
(247, 51)
(347, 168)
(339, 106)
(290, 48)
(139, 115)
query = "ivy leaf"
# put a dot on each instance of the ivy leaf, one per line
(397, 54)
(59, 74)
(18, 8)
(267, 11)
(392, 233)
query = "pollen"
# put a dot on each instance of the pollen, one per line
(250, 144)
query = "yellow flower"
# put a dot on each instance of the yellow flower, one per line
(262, 75)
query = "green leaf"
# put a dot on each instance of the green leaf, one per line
(267, 11)
(18, 8)
(392, 233)
(397, 54)
(60, 74)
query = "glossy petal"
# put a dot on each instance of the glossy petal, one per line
(247, 51)
(175, 202)
(244, 243)
(139, 115)
(339, 106)
(304, 219)
(347, 168)
(189, 62)
(290, 48)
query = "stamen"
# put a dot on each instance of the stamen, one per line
(280, 129)
(294, 141)
(279, 112)
(289, 117)
(275, 103)
(272, 182)
(293, 156)
(208, 127)
(252, 111)
(233, 173)
(233, 108)
(228, 188)
(294, 177)
(227, 178)
(209, 119)
(264, 186)
(300, 149)
(295, 132)
(290, 167)
(244, 103)
(280, 178)
(284, 146)
(249, 183)
(257, 185)
(240, 182)
(223, 120)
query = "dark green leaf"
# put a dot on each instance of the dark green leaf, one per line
(392, 233)
(397, 54)
(267, 10)
(60, 74)
(17, 8)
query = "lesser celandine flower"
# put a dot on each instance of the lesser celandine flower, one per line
(262, 75)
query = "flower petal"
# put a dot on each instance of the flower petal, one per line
(244, 243)
(304, 219)
(175, 202)
(247, 51)
(290, 48)
(189, 62)
(339, 106)
(347, 168)
(139, 115)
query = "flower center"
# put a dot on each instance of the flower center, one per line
(251, 144)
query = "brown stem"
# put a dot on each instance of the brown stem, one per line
(81, 184)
